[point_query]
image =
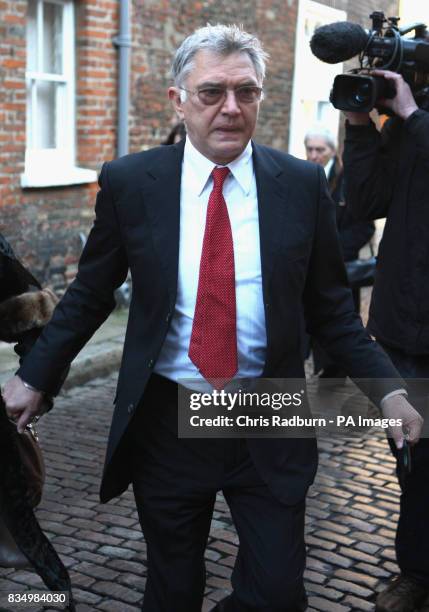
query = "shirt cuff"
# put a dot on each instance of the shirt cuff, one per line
(391, 394)
(30, 387)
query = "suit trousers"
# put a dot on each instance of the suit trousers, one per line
(412, 535)
(175, 483)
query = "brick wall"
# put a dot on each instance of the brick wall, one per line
(12, 98)
(159, 27)
(44, 224)
(96, 26)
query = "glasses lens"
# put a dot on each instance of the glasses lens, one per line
(211, 95)
(248, 94)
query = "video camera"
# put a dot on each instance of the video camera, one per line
(384, 47)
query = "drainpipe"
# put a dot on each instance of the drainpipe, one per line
(123, 43)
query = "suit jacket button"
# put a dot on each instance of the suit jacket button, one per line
(151, 363)
(130, 408)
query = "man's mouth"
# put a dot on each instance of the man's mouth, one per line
(227, 129)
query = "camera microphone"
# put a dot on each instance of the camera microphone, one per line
(338, 42)
(385, 46)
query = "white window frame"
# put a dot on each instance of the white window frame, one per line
(54, 166)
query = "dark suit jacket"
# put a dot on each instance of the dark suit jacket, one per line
(354, 234)
(137, 225)
(387, 176)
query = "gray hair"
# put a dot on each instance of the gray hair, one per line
(320, 131)
(220, 39)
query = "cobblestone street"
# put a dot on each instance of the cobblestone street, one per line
(351, 515)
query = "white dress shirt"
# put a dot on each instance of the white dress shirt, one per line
(328, 166)
(240, 195)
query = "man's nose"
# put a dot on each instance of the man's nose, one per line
(230, 104)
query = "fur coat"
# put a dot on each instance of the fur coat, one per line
(25, 312)
(24, 305)
(24, 309)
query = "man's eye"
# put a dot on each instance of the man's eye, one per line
(212, 92)
(248, 90)
(248, 93)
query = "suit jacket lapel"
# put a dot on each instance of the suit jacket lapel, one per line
(271, 209)
(161, 190)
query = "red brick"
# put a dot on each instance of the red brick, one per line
(150, 116)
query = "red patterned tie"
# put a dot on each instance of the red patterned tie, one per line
(213, 346)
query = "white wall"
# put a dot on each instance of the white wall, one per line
(312, 78)
(411, 11)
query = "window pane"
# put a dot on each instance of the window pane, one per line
(31, 36)
(323, 111)
(52, 38)
(46, 115)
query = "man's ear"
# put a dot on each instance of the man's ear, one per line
(174, 96)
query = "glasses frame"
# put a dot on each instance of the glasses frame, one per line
(224, 95)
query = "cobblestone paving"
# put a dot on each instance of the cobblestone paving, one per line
(351, 514)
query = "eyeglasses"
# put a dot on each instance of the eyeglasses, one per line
(246, 94)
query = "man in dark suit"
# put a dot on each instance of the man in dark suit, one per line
(353, 233)
(227, 241)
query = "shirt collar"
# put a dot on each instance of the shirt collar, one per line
(328, 166)
(200, 168)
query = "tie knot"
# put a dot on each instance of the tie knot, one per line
(219, 176)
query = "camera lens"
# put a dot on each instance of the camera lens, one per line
(355, 92)
(362, 94)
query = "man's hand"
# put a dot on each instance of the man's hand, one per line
(403, 104)
(398, 407)
(22, 404)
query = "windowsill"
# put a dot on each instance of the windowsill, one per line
(57, 178)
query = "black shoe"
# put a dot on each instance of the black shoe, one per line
(402, 595)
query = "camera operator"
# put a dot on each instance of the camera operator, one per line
(386, 175)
